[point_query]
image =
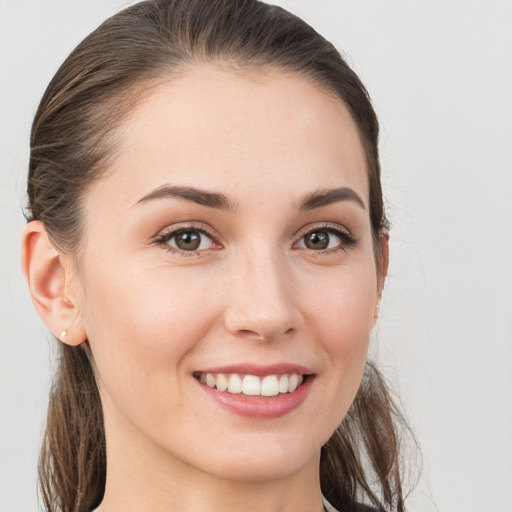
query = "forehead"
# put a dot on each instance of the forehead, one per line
(260, 131)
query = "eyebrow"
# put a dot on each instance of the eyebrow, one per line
(317, 199)
(202, 197)
(326, 197)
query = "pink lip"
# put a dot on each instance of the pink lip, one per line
(260, 370)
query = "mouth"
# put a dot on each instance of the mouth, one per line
(257, 391)
(272, 385)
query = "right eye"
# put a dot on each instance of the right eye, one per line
(186, 239)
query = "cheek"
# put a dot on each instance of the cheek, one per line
(342, 316)
(343, 303)
(141, 325)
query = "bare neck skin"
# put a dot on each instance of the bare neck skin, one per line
(142, 478)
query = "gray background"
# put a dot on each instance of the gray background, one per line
(440, 74)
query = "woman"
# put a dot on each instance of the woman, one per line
(208, 242)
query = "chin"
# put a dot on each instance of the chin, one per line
(261, 469)
(258, 460)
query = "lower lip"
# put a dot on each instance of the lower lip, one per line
(259, 406)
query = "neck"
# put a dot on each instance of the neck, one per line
(142, 476)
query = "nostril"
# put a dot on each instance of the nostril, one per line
(249, 333)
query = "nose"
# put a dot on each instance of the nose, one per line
(262, 301)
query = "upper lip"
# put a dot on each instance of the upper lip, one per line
(260, 370)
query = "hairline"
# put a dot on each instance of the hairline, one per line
(132, 95)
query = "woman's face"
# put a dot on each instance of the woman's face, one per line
(230, 242)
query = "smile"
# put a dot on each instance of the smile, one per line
(252, 385)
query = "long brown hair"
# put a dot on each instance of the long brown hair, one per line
(74, 137)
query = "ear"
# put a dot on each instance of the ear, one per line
(48, 276)
(382, 267)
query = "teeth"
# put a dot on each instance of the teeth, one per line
(283, 384)
(221, 382)
(235, 384)
(292, 384)
(270, 386)
(251, 385)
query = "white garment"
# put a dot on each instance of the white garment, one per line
(328, 506)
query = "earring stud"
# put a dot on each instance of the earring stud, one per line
(64, 333)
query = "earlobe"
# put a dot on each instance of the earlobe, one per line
(48, 282)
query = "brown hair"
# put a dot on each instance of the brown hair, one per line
(74, 137)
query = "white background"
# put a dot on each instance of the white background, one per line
(440, 74)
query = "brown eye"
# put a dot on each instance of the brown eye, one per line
(317, 240)
(187, 240)
(326, 239)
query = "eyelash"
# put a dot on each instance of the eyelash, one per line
(347, 240)
(164, 238)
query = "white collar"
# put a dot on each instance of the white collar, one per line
(327, 505)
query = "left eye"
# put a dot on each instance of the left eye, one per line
(189, 240)
(323, 239)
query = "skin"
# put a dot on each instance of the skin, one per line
(253, 292)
